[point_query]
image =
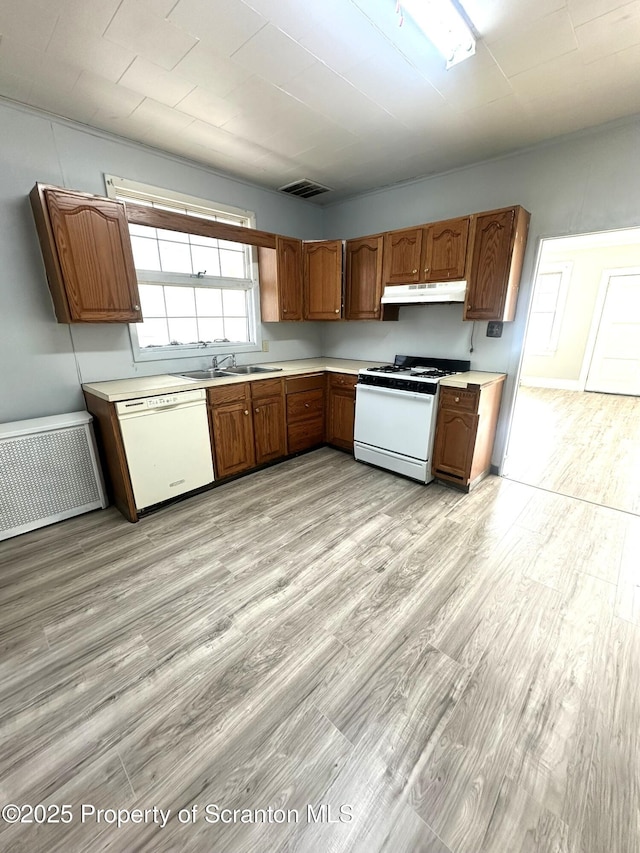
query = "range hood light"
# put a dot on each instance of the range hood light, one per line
(444, 26)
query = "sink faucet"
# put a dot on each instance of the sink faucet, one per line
(215, 362)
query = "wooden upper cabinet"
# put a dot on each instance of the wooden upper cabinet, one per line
(87, 253)
(403, 256)
(322, 279)
(496, 264)
(363, 285)
(445, 250)
(281, 280)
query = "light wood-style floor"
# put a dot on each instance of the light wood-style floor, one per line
(461, 671)
(582, 444)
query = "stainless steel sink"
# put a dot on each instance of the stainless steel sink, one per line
(211, 373)
(249, 368)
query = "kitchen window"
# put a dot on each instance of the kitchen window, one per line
(198, 294)
(547, 308)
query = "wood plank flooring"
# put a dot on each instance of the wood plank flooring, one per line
(581, 444)
(457, 673)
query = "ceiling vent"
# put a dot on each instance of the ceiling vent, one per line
(304, 188)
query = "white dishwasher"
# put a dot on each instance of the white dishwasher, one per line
(166, 441)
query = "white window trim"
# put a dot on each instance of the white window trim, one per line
(145, 192)
(565, 269)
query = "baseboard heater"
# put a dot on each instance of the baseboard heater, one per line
(49, 471)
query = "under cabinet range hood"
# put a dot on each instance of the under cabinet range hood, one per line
(439, 291)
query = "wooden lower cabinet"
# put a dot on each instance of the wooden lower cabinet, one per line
(269, 425)
(465, 432)
(341, 401)
(231, 427)
(247, 423)
(305, 411)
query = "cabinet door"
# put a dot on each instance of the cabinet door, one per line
(454, 444)
(445, 254)
(89, 258)
(280, 272)
(323, 280)
(341, 402)
(491, 266)
(402, 256)
(290, 277)
(363, 288)
(269, 429)
(232, 431)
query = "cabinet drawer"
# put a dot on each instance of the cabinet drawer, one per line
(342, 380)
(304, 383)
(263, 388)
(460, 399)
(305, 405)
(227, 394)
(305, 434)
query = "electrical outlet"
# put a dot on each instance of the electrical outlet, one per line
(494, 329)
(265, 346)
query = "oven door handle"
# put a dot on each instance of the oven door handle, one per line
(393, 392)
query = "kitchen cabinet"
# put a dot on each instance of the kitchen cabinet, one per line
(426, 253)
(87, 255)
(280, 272)
(445, 250)
(231, 427)
(247, 423)
(341, 400)
(305, 397)
(363, 284)
(465, 432)
(269, 425)
(322, 278)
(496, 264)
(403, 256)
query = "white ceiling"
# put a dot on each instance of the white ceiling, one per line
(331, 90)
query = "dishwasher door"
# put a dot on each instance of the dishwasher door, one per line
(166, 441)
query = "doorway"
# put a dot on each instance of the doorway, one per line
(576, 423)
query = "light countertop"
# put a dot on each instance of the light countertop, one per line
(472, 377)
(116, 390)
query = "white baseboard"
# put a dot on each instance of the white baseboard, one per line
(559, 384)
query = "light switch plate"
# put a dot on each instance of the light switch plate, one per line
(265, 346)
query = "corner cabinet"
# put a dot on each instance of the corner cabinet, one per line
(499, 242)
(341, 402)
(87, 255)
(465, 432)
(280, 272)
(322, 279)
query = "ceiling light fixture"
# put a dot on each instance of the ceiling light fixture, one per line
(444, 26)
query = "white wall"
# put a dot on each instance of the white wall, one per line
(585, 182)
(42, 362)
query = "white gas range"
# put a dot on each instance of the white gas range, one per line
(396, 413)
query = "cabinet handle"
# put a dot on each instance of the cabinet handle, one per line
(337, 311)
(306, 405)
(426, 270)
(136, 307)
(246, 411)
(457, 399)
(257, 410)
(284, 311)
(414, 271)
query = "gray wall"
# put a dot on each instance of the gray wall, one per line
(43, 362)
(586, 182)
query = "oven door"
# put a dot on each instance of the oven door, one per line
(400, 422)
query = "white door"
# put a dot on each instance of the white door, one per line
(615, 362)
